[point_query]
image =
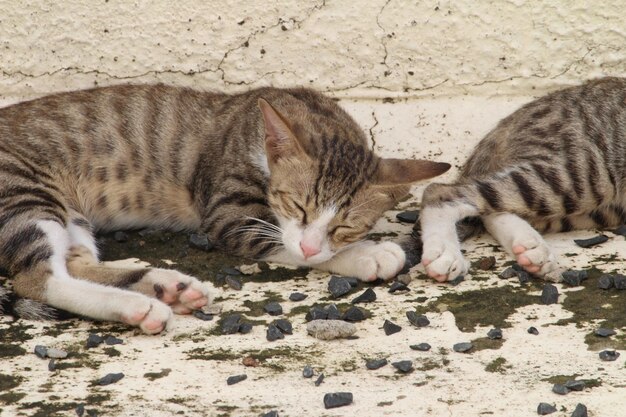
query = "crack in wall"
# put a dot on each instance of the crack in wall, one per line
(371, 130)
(384, 37)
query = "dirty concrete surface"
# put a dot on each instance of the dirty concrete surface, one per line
(184, 371)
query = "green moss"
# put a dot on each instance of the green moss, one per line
(157, 375)
(16, 332)
(10, 350)
(562, 379)
(498, 365)
(11, 397)
(49, 409)
(430, 364)
(8, 382)
(483, 343)
(202, 353)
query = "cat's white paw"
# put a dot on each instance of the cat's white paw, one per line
(152, 316)
(368, 261)
(443, 259)
(182, 292)
(534, 255)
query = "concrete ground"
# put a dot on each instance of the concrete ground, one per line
(184, 371)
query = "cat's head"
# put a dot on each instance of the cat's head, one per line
(326, 189)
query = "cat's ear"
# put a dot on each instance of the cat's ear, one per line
(406, 171)
(280, 141)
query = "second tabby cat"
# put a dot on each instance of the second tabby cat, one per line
(556, 164)
(292, 181)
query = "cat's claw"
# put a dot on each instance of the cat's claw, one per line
(151, 316)
(182, 292)
(443, 260)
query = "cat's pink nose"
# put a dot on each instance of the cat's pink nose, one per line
(309, 251)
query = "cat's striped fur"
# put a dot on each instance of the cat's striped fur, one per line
(556, 164)
(293, 181)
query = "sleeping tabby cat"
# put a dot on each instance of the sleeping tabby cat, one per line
(292, 182)
(556, 164)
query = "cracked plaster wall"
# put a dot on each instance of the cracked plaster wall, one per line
(356, 49)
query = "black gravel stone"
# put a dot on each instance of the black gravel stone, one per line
(580, 411)
(462, 347)
(319, 380)
(332, 312)
(93, 341)
(41, 351)
(403, 366)
(550, 294)
(92, 413)
(376, 363)
(605, 282)
(231, 380)
(272, 413)
(51, 365)
(602, 332)
(353, 281)
(456, 281)
(284, 326)
(533, 330)
(574, 278)
(337, 399)
(338, 286)
(353, 314)
(316, 313)
(273, 309)
(231, 271)
(120, 236)
(245, 328)
(233, 283)
(418, 320)
(398, 286)
(560, 389)
(110, 379)
(574, 385)
(199, 314)
(307, 372)
(609, 355)
(545, 408)
(297, 296)
(112, 340)
(409, 216)
(391, 328)
(508, 273)
(587, 243)
(619, 282)
(494, 333)
(273, 333)
(200, 241)
(523, 277)
(230, 324)
(80, 410)
(366, 297)
(422, 347)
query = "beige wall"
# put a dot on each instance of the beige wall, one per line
(357, 48)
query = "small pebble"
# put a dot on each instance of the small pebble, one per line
(51, 365)
(423, 347)
(456, 281)
(337, 399)
(273, 309)
(404, 278)
(250, 362)
(338, 286)
(619, 282)
(332, 312)
(354, 281)
(375, 363)
(560, 389)
(230, 324)
(545, 408)
(273, 333)
(508, 273)
(330, 329)
(580, 411)
(56, 353)
(120, 236)
(587, 243)
(80, 410)
(366, 297)
(110, 379)
(418, 320)
(574, 385)
(233, 283)
(297, 296)
(272, 413)
(231, 271)
(398, 286)
(494, 333)
(284, 326)
(603, 332)
(605, 282)
(41, 351)
(112, 340)
(199, 314)
(245, 328)
(533, 330)
(391, 328)
(574, 278)
(609, 355)
(200, 241)
(523, 277)
(316, 313)
(93, 341)
(319, 380)
(550, 294)
(231, 380)
(462, 347)
(486, 263)
(409, 216)
(353, 314)
(403, 366)
(307, 371)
